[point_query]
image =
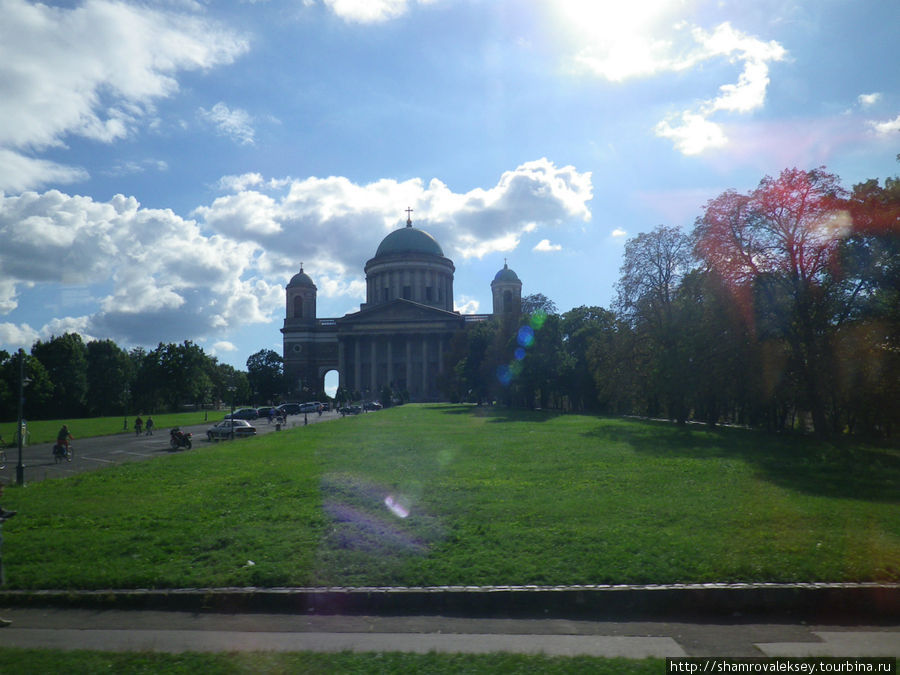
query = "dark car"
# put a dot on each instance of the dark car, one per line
(244, 414)
(350, 410)
(225, 428)
(266, 411)
(289, 409)
(373, 405)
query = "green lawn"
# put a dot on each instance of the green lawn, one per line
(432, 495)
(44, 431)
(29, 661)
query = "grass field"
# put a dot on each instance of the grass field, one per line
(44, 431)
(31, 661)
(433, 495)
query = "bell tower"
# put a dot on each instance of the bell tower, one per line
(506, 291)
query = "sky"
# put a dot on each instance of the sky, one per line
(166, 167)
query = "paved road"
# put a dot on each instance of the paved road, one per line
(100, 451)
(208, 632)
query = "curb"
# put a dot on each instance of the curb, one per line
(823, 602)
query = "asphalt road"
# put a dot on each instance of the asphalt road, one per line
(100, 451)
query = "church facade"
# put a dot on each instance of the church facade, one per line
(401, 334)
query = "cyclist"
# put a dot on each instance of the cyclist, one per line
(62, 440)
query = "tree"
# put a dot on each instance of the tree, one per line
(109, 376)
(653, 266)
(37, 392)
(65, 358)
(265, 371)
(782, 238)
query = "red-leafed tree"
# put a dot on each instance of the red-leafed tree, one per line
(778, 245)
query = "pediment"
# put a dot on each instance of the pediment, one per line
(398, 311)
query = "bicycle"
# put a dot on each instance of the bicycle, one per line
(2, 459)
(61, 452)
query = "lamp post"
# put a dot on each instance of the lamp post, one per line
(20, 467)
(232, 389)
(126, 391)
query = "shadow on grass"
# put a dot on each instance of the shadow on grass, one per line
(843, 469)
(498, 413)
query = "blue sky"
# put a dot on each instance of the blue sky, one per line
(165, 167)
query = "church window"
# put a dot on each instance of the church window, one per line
(507, 301)
(429, 292)
(385, 294)
(407, 292)
(298, 307)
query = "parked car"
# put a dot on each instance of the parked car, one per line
(350, 410)
(244, 414)
(265, 411)
(289, 408)
(241, 429)
(373, 405)
(312, 406)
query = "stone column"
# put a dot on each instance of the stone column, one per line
(390, 361)
(425, 391)
(409, 372)
(342, 377)
(356, 364)
(373, 386)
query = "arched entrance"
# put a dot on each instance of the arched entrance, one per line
(332, 379)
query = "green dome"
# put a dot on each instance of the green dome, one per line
(301, 279)
(409, 240)
(506, 274)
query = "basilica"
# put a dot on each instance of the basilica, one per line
(401, 334)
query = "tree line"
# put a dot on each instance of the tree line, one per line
(779, 310)
(68, 378)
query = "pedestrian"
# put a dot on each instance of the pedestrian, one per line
(138, 423)
(149, 426)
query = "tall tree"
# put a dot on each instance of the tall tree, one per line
(785, 234)
(265, 370)
(109, 377)
(653, 266)
(65, 358)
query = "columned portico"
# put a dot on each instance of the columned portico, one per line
(401, 334)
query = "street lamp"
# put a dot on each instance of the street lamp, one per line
(126, 391)
(20, 467)
(232, 389)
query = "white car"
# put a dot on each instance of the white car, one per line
(224, 429)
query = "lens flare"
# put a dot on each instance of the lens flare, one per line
(519, 353)
(538, 319)
(397, 506)
(504, 375)
(526, 336)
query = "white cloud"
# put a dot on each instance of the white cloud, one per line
(236, 124)
(19, 172)
(224, 346)
(102, 64)
(625, 41)
(885, 128)
(466, 305)
(544, 245)
(168, 279)
(371, 11)
(15, 337)
(618, 233)
(693, 134)
(868, 100)
(331, 220)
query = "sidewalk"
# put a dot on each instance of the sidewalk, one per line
(121, 630)
(839, 620)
